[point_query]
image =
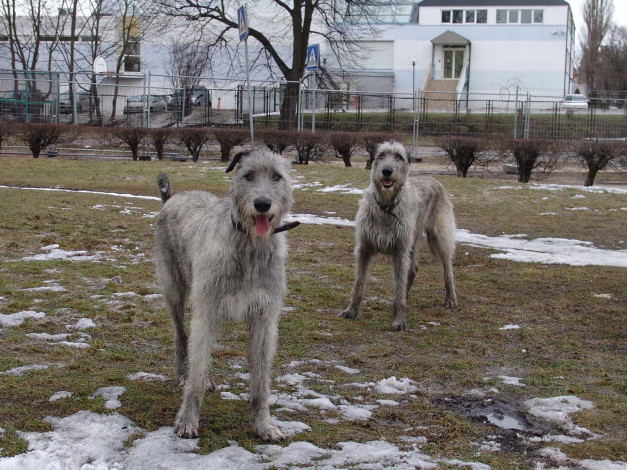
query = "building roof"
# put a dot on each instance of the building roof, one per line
(450, 38)
(492, 3)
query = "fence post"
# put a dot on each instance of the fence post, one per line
(527, 116)
(299, 107)
(516, 116)
(415, 156)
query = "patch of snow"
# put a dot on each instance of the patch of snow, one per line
(505, 421)
(291, 379)
(305, 186)
(82, 324)
(387, 402)
(146, 377)
(318, 220)
(19, 371)
(57, 254)
(558, 410)
(60, 395)
(561, 187)
(548, 213)
(51, 288)
(16, 319)
(348, 370)
(510, 327)
(577, 209)
(47, 336)
(390, 386)
(341, 188)
(84, 191)
(110, 395)
(71, 344)
(545, 250)
(229, 396)
(515, 381)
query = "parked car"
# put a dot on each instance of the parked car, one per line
(20, 103)
(201, 97)
(137, 104)
(65, 106)
(575, 101)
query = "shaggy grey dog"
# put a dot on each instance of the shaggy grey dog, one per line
(229, 255)
(393, 214)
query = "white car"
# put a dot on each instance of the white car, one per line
(575, 101)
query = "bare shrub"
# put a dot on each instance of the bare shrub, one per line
(597, 156)
(194, 139)
(6, 130)
(309, 146)
(463, 151)
(132, 137)
(228, 139)
(344, 144)
(531, 155)
(160, 138)
(278, 140)
(371, 140)
(39, 136)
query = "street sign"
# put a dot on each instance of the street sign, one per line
(242, 23)
(313, 57)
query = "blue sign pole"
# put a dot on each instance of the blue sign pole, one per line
(312, 63)
(242, 24)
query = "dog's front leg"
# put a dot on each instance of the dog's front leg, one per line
(401, 274)
(201, 344)
(263, 339)
(363, 256)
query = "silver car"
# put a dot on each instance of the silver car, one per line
(137, 104)
(575, 101)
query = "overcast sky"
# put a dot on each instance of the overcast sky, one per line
(620, 13)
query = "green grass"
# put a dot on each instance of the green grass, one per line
(566, 329)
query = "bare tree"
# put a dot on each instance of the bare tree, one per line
(612, 70)
(340, 23)
(597, 17)
(189, 61)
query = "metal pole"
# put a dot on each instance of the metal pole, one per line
(300, 104)
(250, 98)
(313, 110)
(516, 116)
(148, 101)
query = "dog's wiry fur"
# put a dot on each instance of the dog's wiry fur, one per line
(393, 214)
(223, 252)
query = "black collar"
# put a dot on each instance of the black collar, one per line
(388, 208)
(238, 226)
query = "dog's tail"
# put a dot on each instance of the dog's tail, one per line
(165, 189)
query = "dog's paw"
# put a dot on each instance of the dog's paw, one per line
(209, 384)
(268, 432)
(349, 313)
(399, 325)
(186, 430)
(450, 303)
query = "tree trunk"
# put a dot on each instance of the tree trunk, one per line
(287, 119)
(592, 172)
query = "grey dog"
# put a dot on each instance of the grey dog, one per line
(393, 214)
(229, 255)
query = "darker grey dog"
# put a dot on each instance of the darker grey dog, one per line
(229, 255)
(393, 214)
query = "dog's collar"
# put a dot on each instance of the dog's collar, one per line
(238, 226)
(388, 208)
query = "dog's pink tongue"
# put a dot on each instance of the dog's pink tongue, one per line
(262, 224)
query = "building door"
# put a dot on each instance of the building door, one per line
(453, 63)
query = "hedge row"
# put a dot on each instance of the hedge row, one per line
(529, 154)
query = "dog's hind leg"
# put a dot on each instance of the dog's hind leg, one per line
(175, 301)
(441, 240)
(263, 338)
(201, 343)
(363, 257)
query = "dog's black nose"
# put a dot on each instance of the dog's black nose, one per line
(387, 171)
(262, 204)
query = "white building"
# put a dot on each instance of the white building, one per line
(475, 46)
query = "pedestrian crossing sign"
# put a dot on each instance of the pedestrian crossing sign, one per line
(313, 57)
(242, 23)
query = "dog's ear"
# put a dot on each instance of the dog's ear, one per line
(236, 158)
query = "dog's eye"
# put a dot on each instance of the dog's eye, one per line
(380, 156)
(276, 177)
(399, 157)
(250, 176)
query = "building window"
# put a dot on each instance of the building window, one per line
(513, 16)
(538, 16)
(465, 16)
(525, 16)
(519, 16)
(501, 16)
(132, 60)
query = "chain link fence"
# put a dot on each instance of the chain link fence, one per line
(152, 101)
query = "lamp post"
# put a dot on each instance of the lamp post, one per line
(413, 76)
(413, 107)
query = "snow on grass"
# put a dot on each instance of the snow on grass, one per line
(19, 371)
(82, 324)
(16, 319)
(514, 381)
(84, 191)
(561, 187)
(558, 410)
(545, 250)
(318, 220)
(510, 327)
(110, 395)
(54, 253)
(60, 395)
(147, 377)
(560, 458)
(348, 370)
(341, 188)
(47, 336)
(389, 386)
